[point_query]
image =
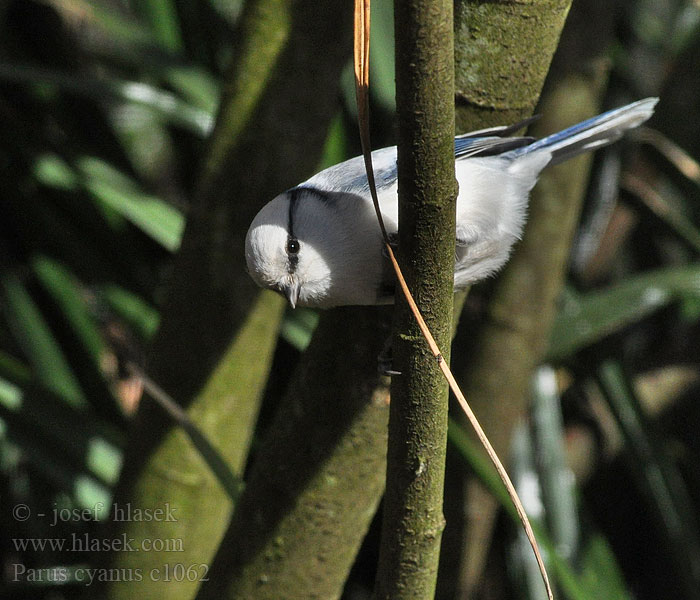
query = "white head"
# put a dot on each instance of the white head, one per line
(278, 260)
(317, 248)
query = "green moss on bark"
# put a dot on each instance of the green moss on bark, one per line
(318, 479)
(501, 69)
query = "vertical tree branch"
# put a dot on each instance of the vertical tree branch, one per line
(413, 520)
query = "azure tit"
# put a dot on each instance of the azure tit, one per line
(319, 243)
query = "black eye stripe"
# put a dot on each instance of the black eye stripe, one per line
(292, 247)
(293, 199)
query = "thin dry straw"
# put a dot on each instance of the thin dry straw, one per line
(361, 63)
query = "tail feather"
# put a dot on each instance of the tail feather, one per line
(592, 133)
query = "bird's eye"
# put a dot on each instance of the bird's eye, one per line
(293, 246)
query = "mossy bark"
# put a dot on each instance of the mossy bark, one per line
(320, 473)
(503, 63)
(513, 337)
(213, 350)
(413, 520)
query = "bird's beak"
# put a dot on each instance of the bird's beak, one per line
(292, 293)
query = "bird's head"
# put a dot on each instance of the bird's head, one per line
(287, 250)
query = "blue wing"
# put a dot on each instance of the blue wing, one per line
(466, 146)
(494, 140)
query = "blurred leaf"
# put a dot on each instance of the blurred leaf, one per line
(197, 86)
(88, 493)
(229, 10)
(63, 287)
(13, 369)
(54, 172)
(105, 16)
(10, 395)
(298, 326)
(38, 343)
(168, 106)
(690, 309)
(600, 573)
(335, 149)
(83, 341)
(685, 27)
(152, 215)
(588, 318)
(139, 315)
(556, 479)
(146, 141)
(671, 216)
(104, 459)
(382, 56)
(529, 488)
(681, 160)
(162, 18)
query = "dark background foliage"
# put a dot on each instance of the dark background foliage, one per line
(105, 112)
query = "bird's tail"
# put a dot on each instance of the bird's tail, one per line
(592, 133)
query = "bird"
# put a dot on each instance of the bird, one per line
(319, 243)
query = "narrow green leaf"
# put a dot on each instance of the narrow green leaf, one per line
(140, 316)
(169, 106)
(600, 572)
(14, 370)
(298, 327)
(153, 216)
(38, 343)
(89, 493)
(10, 395)
(145, 138)
(54, 172)
(162, 19)
(87, 347)
(586, 319)
(104, 459)
(197, 86)
(63, 287)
